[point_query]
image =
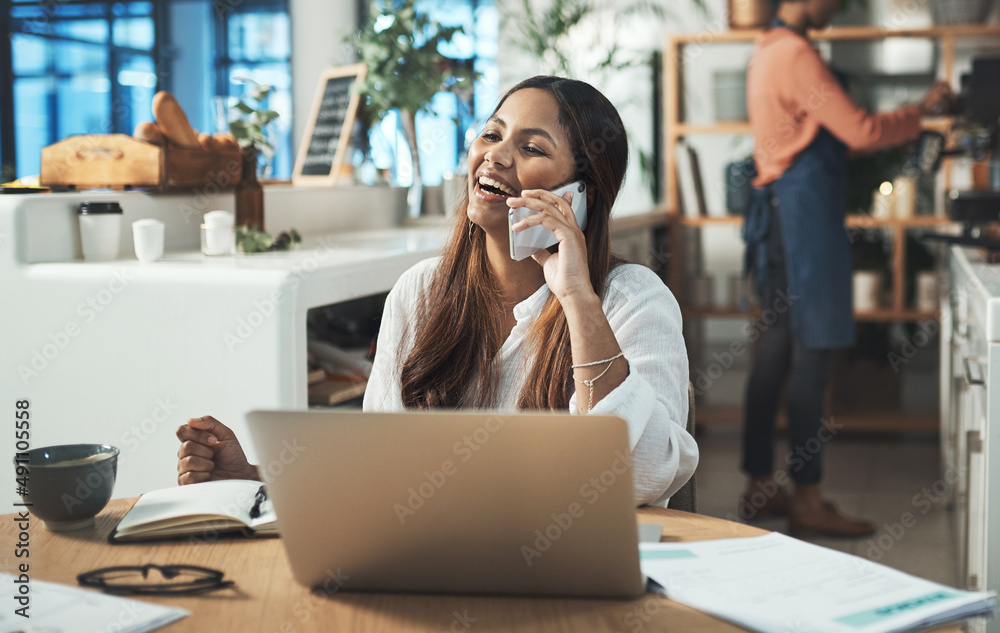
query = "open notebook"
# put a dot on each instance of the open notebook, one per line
(234, 505)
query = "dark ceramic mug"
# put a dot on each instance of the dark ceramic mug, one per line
(68, 485)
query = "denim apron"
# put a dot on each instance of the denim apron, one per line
(809, 202)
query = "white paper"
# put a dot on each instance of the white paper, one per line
(775, 583)
(56, 608)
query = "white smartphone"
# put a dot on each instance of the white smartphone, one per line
(535, 238)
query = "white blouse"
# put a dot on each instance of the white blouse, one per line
(653, 399)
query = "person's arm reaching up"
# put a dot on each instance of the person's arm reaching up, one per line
(817, 94)
(811, 86)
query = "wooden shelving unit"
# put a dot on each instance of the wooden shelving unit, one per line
(675, 129)
(853, 221)
(863, 421)
(874, 316)
(898, 311)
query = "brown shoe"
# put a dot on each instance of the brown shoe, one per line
(758, 506)
(826, 521)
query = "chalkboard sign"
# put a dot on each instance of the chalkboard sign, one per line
(329, 130)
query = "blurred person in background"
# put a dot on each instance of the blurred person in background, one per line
(803, 123)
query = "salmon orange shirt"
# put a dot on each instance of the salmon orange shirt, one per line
(791, 93)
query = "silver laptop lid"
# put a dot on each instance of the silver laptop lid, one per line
(467, 502)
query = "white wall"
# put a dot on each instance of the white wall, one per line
(318, 31)
(630, 91)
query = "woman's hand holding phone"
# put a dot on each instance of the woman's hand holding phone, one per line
(566, 271)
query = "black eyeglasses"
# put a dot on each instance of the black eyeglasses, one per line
(176, 579)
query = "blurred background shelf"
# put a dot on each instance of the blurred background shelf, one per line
(705, 245)
(877, 421)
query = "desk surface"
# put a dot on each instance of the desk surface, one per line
(268, 600)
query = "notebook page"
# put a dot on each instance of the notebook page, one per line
(231, 498)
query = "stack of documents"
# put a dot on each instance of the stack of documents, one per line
(56, 608)
(776, 584)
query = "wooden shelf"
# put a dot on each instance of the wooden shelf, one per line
(841, 33)
(656, 217)
(676, 62)
(938, 124)
(876, 316)
(868, 421)
(712, 220)
(867, 221)
(675, 128)
(894, 315)
(722, 127)
(852, 221)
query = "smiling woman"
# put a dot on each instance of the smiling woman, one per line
(476, 329)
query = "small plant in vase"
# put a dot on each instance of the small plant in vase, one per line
(405, 69)
(249, 125)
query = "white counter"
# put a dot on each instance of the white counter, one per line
(122, 352)
(970, 415)
(981, 279)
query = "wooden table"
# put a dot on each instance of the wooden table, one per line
(267, 599)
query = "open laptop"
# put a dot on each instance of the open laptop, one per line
(465, 502)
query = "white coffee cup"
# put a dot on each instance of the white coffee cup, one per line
(218, 236)
(100, 230)
(883, 204)
(867, 287)
(927, 293)
(905, 190)
(147, 238)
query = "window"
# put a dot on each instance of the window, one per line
(444, 136)
(76, 68)
(92, 67)
(254, 42)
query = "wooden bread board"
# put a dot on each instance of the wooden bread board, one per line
(118, 161)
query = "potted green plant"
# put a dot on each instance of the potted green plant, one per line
(250, 124)
(549, 34)
(405, 69)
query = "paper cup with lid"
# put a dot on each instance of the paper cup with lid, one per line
(100, 230)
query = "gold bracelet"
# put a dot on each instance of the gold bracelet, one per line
(590, 383)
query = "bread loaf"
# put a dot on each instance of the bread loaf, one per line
(228, 140)
(173, 122)
(209, 143)
(150, 132)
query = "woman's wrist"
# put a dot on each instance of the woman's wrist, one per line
(580, 302)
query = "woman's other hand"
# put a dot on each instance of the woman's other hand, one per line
(938, 101)
(566, 270)
(210, 451)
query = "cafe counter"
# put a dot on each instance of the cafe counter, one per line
(123, 352)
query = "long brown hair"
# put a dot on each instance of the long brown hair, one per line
(459, 326)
